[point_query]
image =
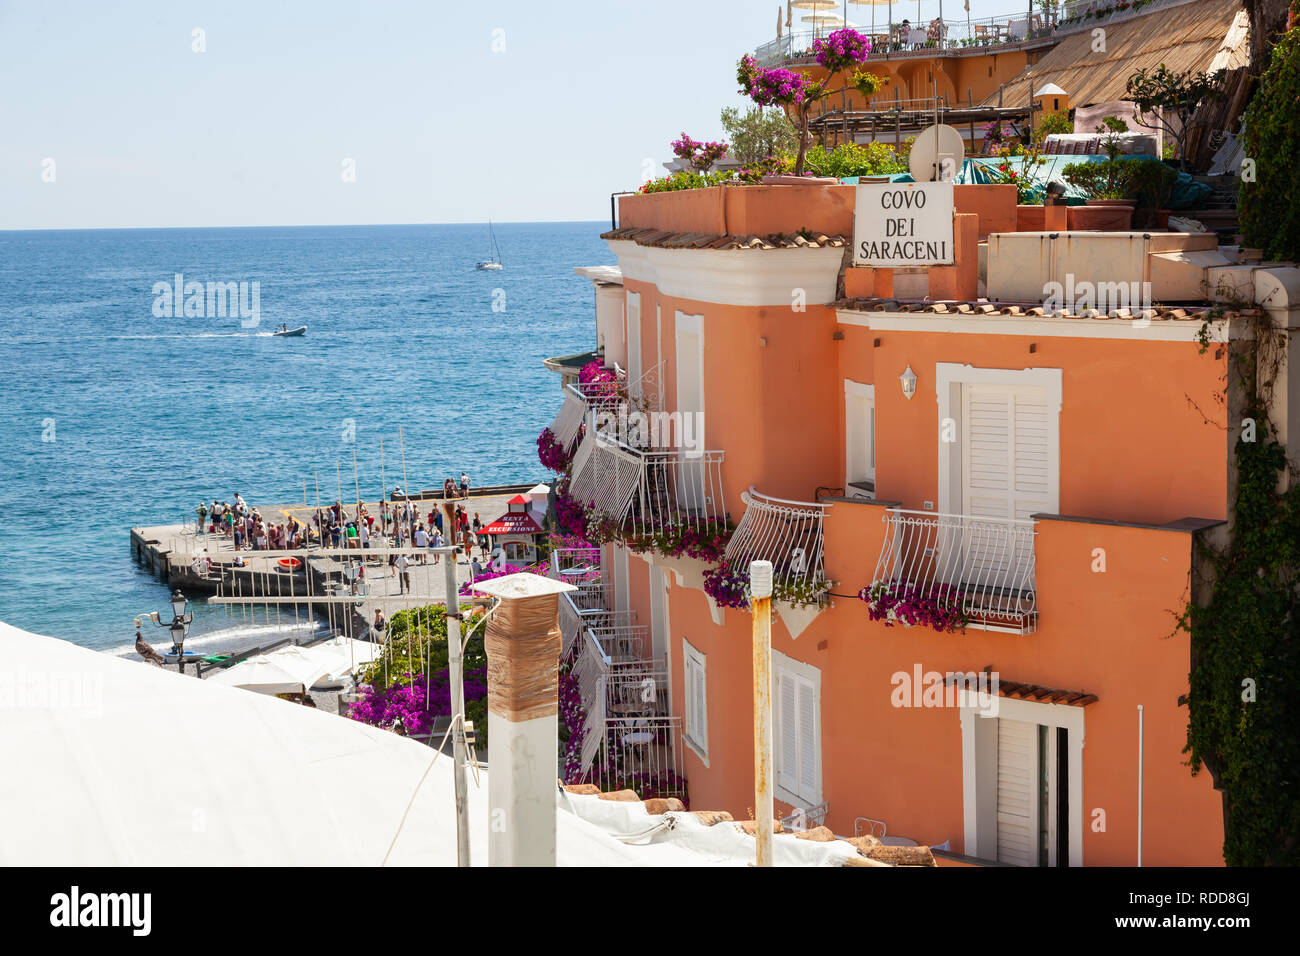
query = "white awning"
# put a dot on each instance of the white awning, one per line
(112, 762)
(282, 671)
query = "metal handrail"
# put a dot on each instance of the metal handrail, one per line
(646, 492)
(788, 533)
(974, 35)
(980, 566)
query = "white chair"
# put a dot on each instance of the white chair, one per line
(916, 38)
(1017, 29)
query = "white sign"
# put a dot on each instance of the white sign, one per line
(903, 224)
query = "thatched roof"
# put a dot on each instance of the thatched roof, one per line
(1204, 35)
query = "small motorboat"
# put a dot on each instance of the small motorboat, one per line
(300, 330)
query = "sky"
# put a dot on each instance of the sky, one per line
(325, 112)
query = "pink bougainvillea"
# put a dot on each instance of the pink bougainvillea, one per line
(551, 453)
(406, 702)
(727, 586)
(940, 607)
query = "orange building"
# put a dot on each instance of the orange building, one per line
(938, 442)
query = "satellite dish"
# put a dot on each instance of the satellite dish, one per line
(936, 154)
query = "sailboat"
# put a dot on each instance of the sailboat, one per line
(493, 262)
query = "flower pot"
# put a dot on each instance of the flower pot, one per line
(1031, 218)
(1102, 215)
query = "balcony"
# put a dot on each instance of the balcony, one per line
(951, 571)
(790, 534)
(628, 738)
(963, 36)
(582, 401)
(645, 493)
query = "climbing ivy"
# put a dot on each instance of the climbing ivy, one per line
(1244, 701)
(1270, 215)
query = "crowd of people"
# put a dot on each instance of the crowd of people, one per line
(248, 530)
(398, 523)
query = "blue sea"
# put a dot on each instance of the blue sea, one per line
(112, 417)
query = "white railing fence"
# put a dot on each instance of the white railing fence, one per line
(642, 754)
(649, 492)
(928, 34)
(982, 567)
(590, 670)
(787, 533)
(569, 419)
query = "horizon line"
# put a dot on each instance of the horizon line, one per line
(309, 225)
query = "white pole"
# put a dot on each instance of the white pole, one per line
(522, 640)
(760, 585)
(457, 676)
(1140, 729)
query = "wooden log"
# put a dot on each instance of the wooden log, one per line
(622, 796)
(817, 835)
(751, 827)
(901, 855)
(711, 817)
(658, 805)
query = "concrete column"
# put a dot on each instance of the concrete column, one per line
(610, 330)
(522, 641)
(864, 282)
(959, 281)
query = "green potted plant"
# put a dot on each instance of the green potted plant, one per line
(1108, 185)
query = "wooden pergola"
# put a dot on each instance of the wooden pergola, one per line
(908, 117)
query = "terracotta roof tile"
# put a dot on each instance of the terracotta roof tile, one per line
(1023, 311)
(870, 850)
(1035, 692)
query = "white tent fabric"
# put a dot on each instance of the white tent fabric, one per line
(113, 763)
(279, 672)
(723, 844)
(342, 655)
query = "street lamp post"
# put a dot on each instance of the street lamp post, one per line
(179, 626)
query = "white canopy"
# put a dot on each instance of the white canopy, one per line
(282, 671)
(111, 762)
(342, 655)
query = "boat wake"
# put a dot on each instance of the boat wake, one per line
(228, 639)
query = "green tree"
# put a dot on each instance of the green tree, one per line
(1169, 100)
(758, 133)
(1267, 202)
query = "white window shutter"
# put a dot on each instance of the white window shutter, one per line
(701, 707)
(787, 756)
(697, 728)
(1017, 792)
(808, 755)
(1007, 472)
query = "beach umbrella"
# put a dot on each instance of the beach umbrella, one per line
(261, 675)
(285, 671)
(342, 654)
(829, 20)
(815, 4)
(877, 3)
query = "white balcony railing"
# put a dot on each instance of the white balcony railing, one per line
(643, 754)
(930, 35)
(787, 533)
(615, 682)
(568, 421)
(648, 492)
(963, 570)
